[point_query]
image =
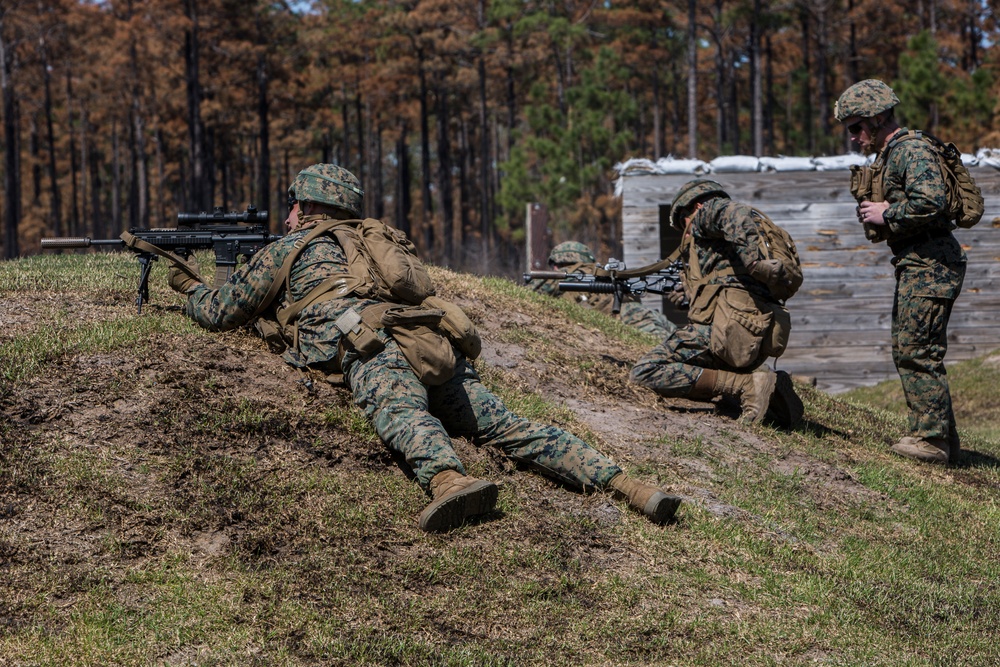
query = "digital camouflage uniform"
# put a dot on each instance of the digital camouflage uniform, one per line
(724, 236)
(930, 268)
(573, 256)
(304, 287)
(929, 265)
(411, 418)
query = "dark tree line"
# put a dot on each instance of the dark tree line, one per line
(454, 113)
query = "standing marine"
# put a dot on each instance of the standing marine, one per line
(736, 318)
(331, 318)
(902, 201)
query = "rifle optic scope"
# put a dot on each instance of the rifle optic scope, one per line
(250, 215)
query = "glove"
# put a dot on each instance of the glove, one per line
(677, 296)
(184, 276)
(770, 272)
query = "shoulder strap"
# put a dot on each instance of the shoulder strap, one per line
(280, 280)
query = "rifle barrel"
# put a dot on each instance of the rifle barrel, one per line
(77, 242)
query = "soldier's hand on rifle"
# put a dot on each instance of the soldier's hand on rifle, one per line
(184, 276)
(677, 296)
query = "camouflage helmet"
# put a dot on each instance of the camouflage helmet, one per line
(690, 194)
(329, 184)
(865, 99)
(571, 252)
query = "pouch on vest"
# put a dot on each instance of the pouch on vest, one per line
(428, 351)
(862, 187)
(776, 340)
(739, 328)
(359, 329)
(271, 332)
(703, 303)
(457, 325)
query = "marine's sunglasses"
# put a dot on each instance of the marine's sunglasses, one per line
(291, 202)
(855, 129)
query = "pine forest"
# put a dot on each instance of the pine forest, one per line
(454, 114)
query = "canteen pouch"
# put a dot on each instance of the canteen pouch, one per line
(862, 187)
(458, 327)
(776, 340)
(428, 351)
(739, 327)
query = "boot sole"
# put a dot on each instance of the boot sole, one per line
(661, 508)
(786, 408)
(452, 511)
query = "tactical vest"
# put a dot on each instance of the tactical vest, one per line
(382, 265)
(965, 200)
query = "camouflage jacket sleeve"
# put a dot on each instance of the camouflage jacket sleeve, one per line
(726, 236)
(915, 190)
(233, 305)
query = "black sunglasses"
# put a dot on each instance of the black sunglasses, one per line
(291, 202)
(855, 128)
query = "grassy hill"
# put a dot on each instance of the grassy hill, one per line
(170, 496)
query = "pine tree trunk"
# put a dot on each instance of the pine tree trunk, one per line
(692, 80)
(196, 149)
(12, 180)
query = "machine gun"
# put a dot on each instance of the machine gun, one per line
(234, 236)
(613, 278)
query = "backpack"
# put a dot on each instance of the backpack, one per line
(965, 200)
(382, 265)
(776, 243)
(384, 259)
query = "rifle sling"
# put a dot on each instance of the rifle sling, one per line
(642, 271)
(134, 242)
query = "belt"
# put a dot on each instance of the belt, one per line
(899, 245)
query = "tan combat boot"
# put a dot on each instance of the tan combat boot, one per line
(654, 504)
(456, 498)
(754, 390)
(930, 450)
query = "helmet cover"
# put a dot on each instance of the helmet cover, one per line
(690, 194)
(865, 99)
(571, 252)
(329, 184)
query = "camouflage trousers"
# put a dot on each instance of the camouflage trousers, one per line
(646, 319)
(672, 367)
(919, 343)
(419, 421)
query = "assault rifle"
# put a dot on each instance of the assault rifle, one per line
(613, 278)
(235, 237)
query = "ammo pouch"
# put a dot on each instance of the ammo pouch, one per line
(414, 328)
(457, 326)
(866, 185)
(703, 303)
(429, 352)
(741, 325)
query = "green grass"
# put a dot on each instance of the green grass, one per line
(218, 527)
(973, 387)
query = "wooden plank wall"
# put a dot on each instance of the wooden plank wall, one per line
(841, 316)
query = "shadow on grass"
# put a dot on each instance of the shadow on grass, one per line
(973, 459)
